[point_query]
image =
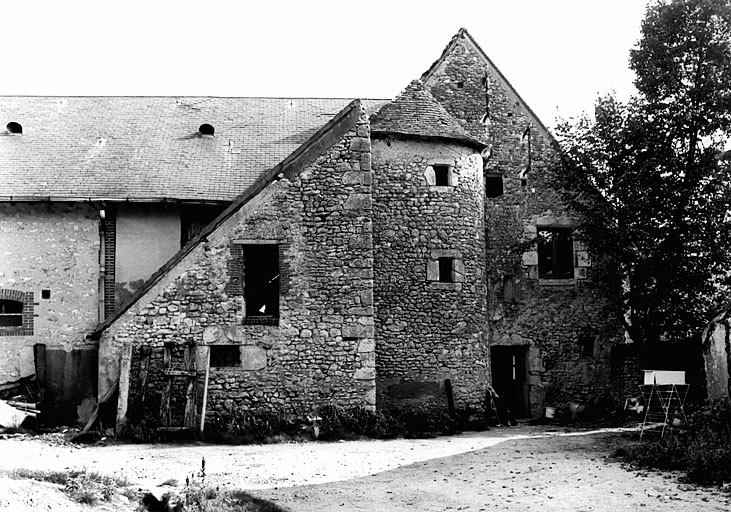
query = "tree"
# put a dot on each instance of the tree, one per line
(648, 179)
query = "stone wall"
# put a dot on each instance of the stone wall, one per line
(50, 254)
(428, 331)
(322, 350)
(548, 318)
(717, 357)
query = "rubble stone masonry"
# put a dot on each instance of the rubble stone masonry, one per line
(546, 318)
(429, 331)
(322, 350)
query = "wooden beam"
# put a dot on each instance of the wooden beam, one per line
(125, 362)
(95, 414)
(205, 388)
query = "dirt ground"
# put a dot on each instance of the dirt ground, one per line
(519, 468)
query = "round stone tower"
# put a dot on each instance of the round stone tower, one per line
(429, 257)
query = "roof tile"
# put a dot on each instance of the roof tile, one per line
(148, 148)
(416, 112)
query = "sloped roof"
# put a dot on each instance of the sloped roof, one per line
(417, 113)
(463, 34)
(305, 154)
(148, 148)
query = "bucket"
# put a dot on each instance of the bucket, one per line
(550, 412)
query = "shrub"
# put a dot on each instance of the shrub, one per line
(264, 426)
(702, 448)
(334, 422)
(347, 423)
(421, 423)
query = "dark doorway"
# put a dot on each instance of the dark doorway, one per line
(509, 377)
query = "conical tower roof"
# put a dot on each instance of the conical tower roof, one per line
(415, 112)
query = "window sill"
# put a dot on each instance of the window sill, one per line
(557, 282)
(261, 320)
(447, 286)
(15, 331)
(441, 188)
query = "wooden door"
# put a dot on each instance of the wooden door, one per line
(179, 377)
(509, 377)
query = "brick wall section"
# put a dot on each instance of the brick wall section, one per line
(428, 331)
(548, 320)
(322, 351)
(109, 234)
(51, 246)
(27, 312)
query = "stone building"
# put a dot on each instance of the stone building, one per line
(405, 253)
(550, 333)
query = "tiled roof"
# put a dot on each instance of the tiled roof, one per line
(148, 148)
(416, 112)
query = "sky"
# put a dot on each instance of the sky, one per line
(558, 54)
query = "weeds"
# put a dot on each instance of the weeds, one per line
(80, 485)
(198, 496)
(197, 492)
(333, 422)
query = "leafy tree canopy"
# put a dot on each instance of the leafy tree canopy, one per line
(649, 179)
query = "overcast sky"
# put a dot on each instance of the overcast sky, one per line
(558, 54)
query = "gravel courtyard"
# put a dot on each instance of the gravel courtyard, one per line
(519, 468)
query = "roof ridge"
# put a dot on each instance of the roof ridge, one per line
(291, 165)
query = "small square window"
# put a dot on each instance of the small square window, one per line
(225, 356)
(494, 185)
(441, 175)
(446, 266)
(586, 346)
(45, 294)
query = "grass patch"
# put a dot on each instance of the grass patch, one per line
(88, 487)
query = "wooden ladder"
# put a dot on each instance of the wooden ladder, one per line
(190, 374)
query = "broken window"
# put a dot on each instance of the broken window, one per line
(225, 356)
(11, 313)
(555, 253)
(261, 283)
(193, 218)
(446, 266)
(441, 175)
(494, 185)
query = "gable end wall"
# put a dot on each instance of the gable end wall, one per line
(321, 352)
(546, 321)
